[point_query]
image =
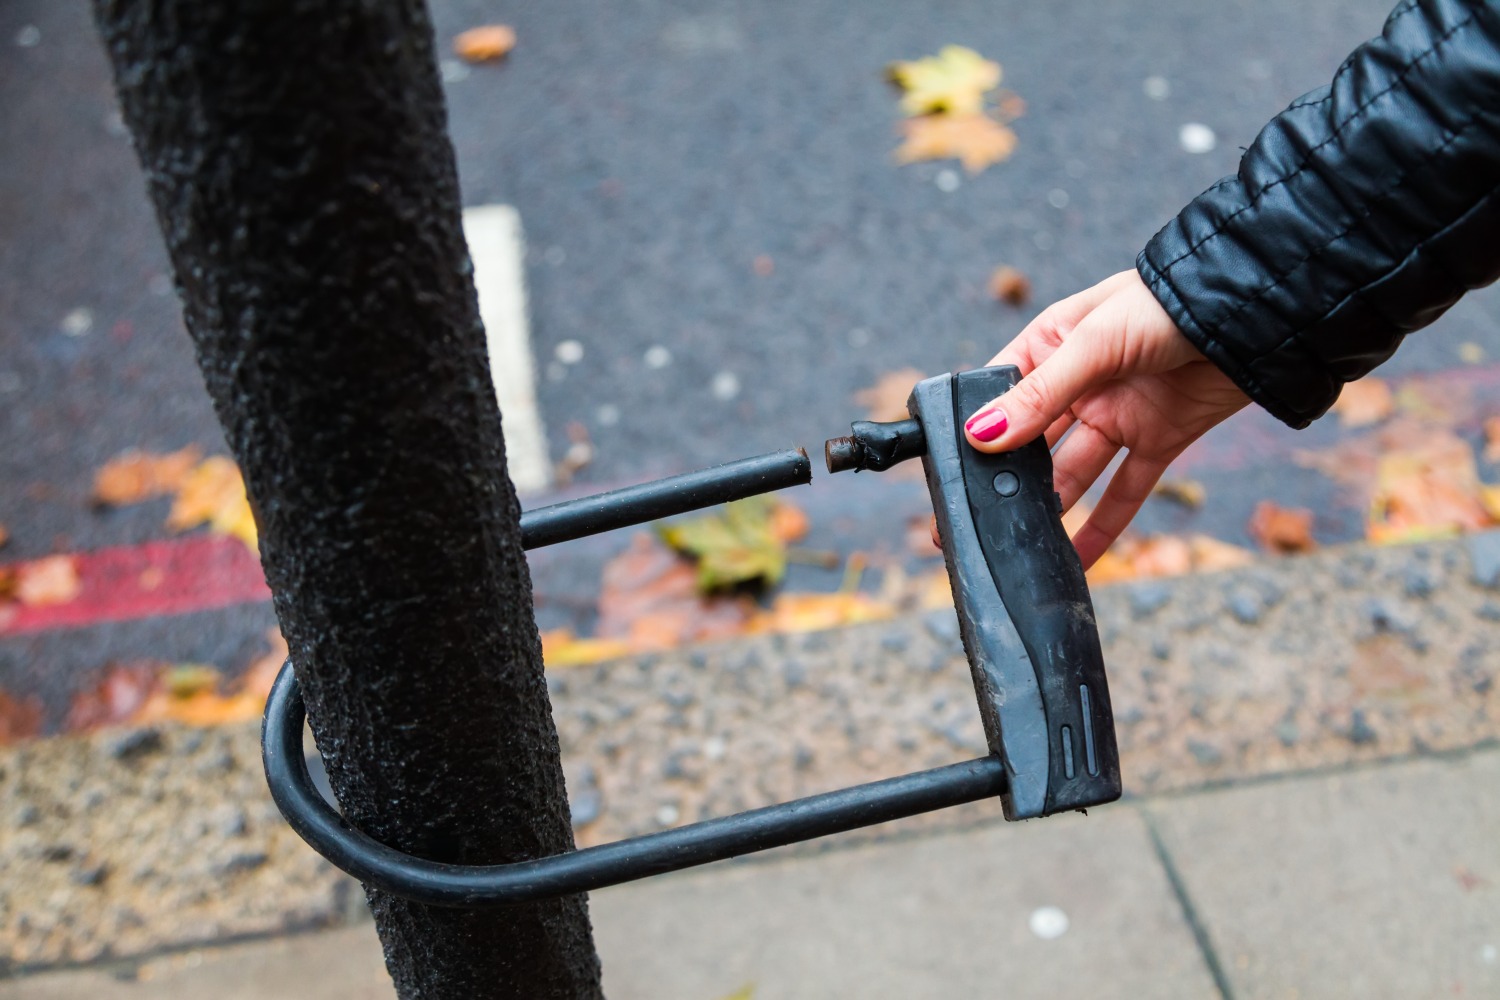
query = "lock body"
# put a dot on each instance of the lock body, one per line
(1023, 605)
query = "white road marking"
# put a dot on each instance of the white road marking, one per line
(497, 248)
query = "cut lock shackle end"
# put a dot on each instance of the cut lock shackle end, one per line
(875, 446)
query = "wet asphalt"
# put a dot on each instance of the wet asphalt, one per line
(705, 185)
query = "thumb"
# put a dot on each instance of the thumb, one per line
(1025, 412)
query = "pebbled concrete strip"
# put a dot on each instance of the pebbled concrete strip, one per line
(128, 841)
(1375, 883)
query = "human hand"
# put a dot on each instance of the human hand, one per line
(1111, 366)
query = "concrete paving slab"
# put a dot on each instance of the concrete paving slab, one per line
(1373, 883)
(941, 917)
(1077, 904)
(335, 965)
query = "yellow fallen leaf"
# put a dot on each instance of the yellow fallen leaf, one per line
(561, 648)
(184, 680)
(485, 43)
(974, 140)
(737, 546)
(1367, 401)
(1470, 353)
(746, 992)
(954, 81)
(1187, 492)
(134, 475)
(213, 493)
(936, 590)
(813, 612)
(1435, 404)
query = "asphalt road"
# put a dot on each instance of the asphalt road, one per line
(655, 151)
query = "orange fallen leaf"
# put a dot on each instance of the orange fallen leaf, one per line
(1352, 462)
(4, 536)
(485, 43)
(20, 718)
(263, 669)
(192, 693)
(1010, 106)
(1430, 491)
(1211, 555)
(886, 399)
(115, 698)
(134, 475)
(579, 454)
(213, 493)
(1282, 529)
(1010, 286)
(649, 596)
(53, 580)
(1165, 555)
(1162, 555)
(1111, 567)
(918, 537)
(1492, 439)
(789, 523)
(147, 692)
(975, 140)
(1367, 401)
(644, 577)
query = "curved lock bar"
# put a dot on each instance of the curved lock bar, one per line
(373, 863)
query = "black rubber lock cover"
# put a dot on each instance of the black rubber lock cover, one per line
(1023, 605)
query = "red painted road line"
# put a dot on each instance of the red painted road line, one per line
(169, 577)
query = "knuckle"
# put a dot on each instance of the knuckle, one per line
(1032, 392)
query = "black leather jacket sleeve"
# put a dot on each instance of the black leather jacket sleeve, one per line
(1360, 213)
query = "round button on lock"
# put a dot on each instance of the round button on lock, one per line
(1007, 484)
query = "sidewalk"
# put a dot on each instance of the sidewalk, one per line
(1371, 882)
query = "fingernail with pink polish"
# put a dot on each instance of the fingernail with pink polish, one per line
(988, 424)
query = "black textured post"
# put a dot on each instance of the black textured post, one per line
(296, 151)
